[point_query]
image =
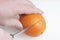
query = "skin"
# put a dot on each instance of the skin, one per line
(11, 8)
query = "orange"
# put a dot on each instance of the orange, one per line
(36, 29)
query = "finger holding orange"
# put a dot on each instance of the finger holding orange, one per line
(38, 28)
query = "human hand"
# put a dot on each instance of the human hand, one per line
(11, 8)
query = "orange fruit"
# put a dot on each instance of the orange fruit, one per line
(36, 29)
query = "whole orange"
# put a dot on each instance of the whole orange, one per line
(38, 28)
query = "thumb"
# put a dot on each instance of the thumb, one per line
(12, 23)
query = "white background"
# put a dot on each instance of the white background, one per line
(51, 9)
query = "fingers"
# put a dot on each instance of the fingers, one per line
(27, 7)
(33, 8)
(12, 23)
(29, 10)
(5, 35)
(12, 8)
(33, 11)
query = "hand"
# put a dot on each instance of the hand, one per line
(11, 8)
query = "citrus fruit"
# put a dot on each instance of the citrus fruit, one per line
(36, 29)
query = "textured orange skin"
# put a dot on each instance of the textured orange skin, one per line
(38, 28)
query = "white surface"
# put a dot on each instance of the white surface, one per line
(51, 9)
